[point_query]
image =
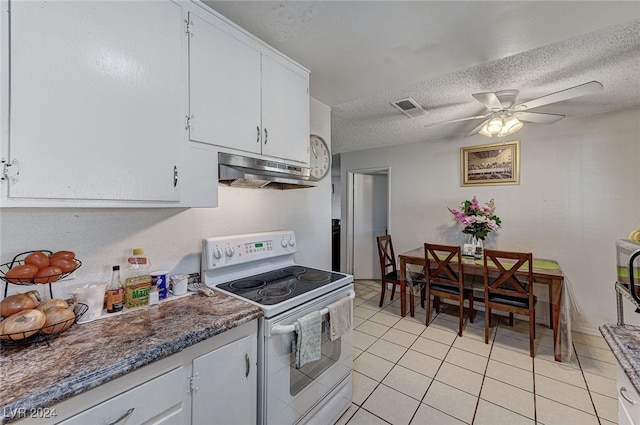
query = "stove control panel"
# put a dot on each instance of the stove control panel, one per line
(227, 251)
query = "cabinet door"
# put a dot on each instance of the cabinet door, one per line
(96, 107)
(285, 112)
(224, 87)
(224, 385)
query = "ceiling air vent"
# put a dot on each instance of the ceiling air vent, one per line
(409, 107)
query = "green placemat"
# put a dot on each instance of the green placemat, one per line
(624, 272)
(537, 264)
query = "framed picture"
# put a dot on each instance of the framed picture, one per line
(490, 164)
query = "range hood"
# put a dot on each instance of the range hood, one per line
(243, 171)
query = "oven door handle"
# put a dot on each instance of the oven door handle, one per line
(287, 329)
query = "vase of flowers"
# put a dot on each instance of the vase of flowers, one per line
(477, 221)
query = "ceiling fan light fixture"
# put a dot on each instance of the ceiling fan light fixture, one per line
(494, 126)
(484, 130)
(511, 125)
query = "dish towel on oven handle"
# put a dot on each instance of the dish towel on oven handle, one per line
(340, 318)
(307, 338)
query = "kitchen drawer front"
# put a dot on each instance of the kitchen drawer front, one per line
(156, 399)
(626, 390)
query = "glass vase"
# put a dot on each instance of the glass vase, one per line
(478, 245)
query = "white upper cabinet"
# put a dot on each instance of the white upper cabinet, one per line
(224, 83)
(244, 97)
(285, 111)
(97, 100)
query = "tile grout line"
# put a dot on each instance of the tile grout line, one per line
(484, 375)
(586, 384)
(435, 374)
(369, 290)
(361, 406)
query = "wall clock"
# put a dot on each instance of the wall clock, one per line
(320, 157)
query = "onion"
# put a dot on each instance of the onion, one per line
(58, 319)
(18, 302)
(53, 303)
(22, 324)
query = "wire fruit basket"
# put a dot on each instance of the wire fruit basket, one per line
(44, 333)
(18, 260)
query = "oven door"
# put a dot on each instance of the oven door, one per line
(289, 394)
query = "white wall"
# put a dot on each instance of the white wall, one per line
(369, 221)
(172, 237)
(579, 192)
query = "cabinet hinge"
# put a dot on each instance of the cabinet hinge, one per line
(10, 170)
(193, 383)
(188, 31)
(187, 122)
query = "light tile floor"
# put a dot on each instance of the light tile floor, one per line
(406, 373)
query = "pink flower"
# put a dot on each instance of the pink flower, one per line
(476, 219)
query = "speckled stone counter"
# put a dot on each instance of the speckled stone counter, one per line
(87, 355)
(625, 344)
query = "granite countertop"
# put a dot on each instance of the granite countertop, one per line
(90, 354)
(625, 344)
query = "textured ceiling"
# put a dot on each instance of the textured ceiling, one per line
(363, 55)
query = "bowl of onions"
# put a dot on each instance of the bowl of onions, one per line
(27, 320)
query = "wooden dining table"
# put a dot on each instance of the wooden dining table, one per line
(546, 272)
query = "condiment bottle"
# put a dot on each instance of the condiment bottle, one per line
(115, 292)
(138, 282)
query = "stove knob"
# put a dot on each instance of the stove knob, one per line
(284, 243)
(292, 242)
(217, 253)
(230, 251)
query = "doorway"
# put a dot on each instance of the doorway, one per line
(367, 218)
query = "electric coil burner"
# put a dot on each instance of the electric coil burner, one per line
(259, 268)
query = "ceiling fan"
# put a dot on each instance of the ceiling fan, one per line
(505, 117)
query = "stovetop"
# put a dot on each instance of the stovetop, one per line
(277, 286)
(259, 268)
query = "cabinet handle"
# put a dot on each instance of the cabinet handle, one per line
(123, 417)
(266, 136)
(623, 393)
(258, 138)
(175, 176)
(247, 365)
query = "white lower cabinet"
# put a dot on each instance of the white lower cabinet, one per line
(222, 385)
(222, 378)
(154, 402)
(212, 382)
(628, 400)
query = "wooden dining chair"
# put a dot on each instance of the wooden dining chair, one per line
(443, 267)
(389, 273)
(507, 291)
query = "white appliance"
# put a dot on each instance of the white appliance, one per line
(260, 268)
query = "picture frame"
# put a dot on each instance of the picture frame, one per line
(492, 164)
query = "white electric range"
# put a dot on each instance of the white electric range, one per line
(260, 268)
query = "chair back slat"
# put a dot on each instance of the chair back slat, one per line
(386, 255)
(503, 279)
(439, 264)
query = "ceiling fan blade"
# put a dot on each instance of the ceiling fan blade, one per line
(477, 129)
(577, 91)
(477, 117)
(490, 100)
(538, 117)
